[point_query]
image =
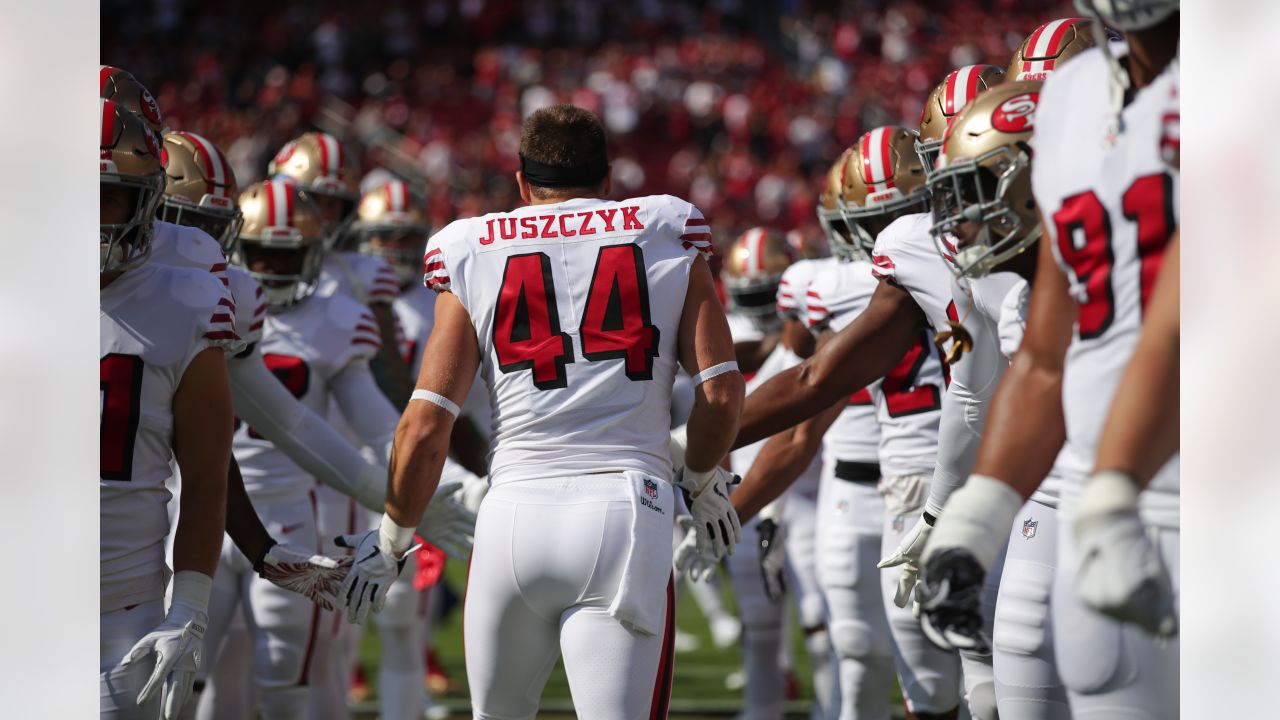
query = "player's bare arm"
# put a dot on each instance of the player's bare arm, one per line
(1141, 433)
(422, 437)
(202, 420)
(705, 343)
(860, 353)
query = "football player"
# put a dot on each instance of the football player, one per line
(986, 227)
(752, 272)
(164, 394)
(390, 225)
(575, 309)
(1108, 205)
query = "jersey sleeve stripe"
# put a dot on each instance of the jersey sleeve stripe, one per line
(262, 309)
(221, 318)
(365, 341)
(219, 267)
(367, 328)
(222, 335)
(256, 326)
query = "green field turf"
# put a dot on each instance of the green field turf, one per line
(699, 690)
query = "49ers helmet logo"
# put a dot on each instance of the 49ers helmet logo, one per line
(149, 107)
(1017, 114)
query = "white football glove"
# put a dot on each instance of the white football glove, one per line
(314, 576)
(176, 643)
(715, 522)
(447, 523)
(772, 533)
(910, 550)
(687, 559)
(376, 566)
(1120, 573)
(474, 488)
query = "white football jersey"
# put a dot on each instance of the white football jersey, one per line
(305, 346)
(185, 246)
(906, 401)
(1109, 210)
(251, 304)
(577, 307)
(415, 309)
(793, 286)
(905, 255)
(368, 279)
(153, 321)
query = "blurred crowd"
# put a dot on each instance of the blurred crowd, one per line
(738, 106)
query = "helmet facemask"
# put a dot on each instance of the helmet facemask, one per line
(865, 223)
(126, 245)
(980, 190)
(928, 150)
(292, 266)
(222, 224)
(401, 246)
(755, 299)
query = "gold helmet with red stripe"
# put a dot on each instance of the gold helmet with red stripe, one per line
(983, 210)
(129, 162)
(883, 180)
(201, 190)
(1049, 46)
(281, 241)
(751, 272)
(320, 165)
(839, 239)
(122, 87)
(390, 225)
(947, 99)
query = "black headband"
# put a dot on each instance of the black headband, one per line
(535, 173)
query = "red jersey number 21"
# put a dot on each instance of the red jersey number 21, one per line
(615, 321)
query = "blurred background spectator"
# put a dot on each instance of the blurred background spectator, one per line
(738, 106)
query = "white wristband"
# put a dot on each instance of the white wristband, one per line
(436, 399)
(393, 539)
(191, 587)
(714, 370)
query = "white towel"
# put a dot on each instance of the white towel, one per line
(641, 600)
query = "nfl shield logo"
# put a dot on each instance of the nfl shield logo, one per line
(1029, 528)
(898, 523)
(651, 489)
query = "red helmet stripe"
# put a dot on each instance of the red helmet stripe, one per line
(211, 161)
(949, 93)
(104, 74)
(330, 154)
(108, 123)
(864, 151)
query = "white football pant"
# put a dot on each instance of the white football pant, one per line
(402, 627)
(1026, 675)
(282, 624)
(336, 639)
(118, 688)
(546, 567)
(850, 526)
(800, 516)
(1112, 670)
(930, 677)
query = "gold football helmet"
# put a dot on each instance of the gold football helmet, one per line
(883, 180)
(1129, 14)
(320, 165)
(751, 273)
(390, 225)
(947, 99)
(839, 239)
(281, 241)
(124, 88)
(128, 160)
(1052, 44)
(201, 189)
(983, 210)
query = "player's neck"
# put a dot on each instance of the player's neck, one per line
(557, 199)
(1151, 51)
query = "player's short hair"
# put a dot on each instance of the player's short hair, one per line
(569, 138)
